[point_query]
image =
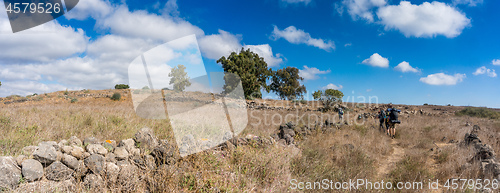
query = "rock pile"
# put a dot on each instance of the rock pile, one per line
(89, 161)
(490, 167)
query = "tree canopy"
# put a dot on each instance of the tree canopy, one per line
(329, 97)
(121, 86)
(251, 69)
(286, 83)
(179, 78)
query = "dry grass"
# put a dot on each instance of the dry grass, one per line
(353, 152)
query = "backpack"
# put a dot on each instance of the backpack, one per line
(394, 116)
(341, 112)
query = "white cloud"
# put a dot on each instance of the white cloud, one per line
(311, 73)
(171, 8)
(298, 36)
(44, 43)
(470, 3)
(266, 52)
(360, 8)
(90, 8)
(443, 79)
(145, 25)
(296, 1)
(24, 88)
(377, 61)
(425, 20)
(348, 44)
(217, 45)
(369, 90)
(405, 67)
(333, 86)
(496, 62)
(484, 70)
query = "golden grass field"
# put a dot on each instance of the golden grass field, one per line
(322, 155)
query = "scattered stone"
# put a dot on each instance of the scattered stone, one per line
(93, 182)
(475, 129)
(485, 152)
(129, 145)
(96, 149)
(112, 171)
(165, 153)
(146, 138)
(67, 149)
(51, 143)
(121, 153)
(471, 139)
(29, 150)
(59, 156)
(62, 143)
(109, 145)
(70, 161)
(75, 141)
(110, 157)
(57, 171)
(45, 154)
(10, 173)
(20, 159)
(86, 155)
(95, 163)
(90, 140)
(32, 170)
(77, 152)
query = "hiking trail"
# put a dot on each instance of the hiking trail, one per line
(396, 155)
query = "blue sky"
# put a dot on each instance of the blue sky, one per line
(405, 52)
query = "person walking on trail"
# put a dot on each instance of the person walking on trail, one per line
(382, 115)
(392, 120)
(341, 114)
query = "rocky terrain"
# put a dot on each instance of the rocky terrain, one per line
(95, 144)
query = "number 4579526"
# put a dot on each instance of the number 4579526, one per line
(33, 8)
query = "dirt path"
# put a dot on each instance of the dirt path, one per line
(386, 166)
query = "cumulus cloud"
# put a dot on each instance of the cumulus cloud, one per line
(266, 52)
(470, 3)
(377, 61)
(311, 73)
(359, 8)
(298, 36)
(443, 79)
(333, 86)
(424, 20)
(42, 43)
(496, 62)
(484, 70)
(217, 45)
(90, 8)
(405, 67)
(348, 44)
(24, 88)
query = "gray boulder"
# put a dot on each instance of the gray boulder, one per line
(20, 159)
(67, 149)
(77, 152)
(129, 145)
(32, 170)
(45, 154)
(10, 173)
(90, 140)
(70, 161)
(165, 153)
(146, 138)
(57, 171)
(96, 149)
(75, 141)
(93, 182)
(121, 153)
(29, 150)
(95, 163)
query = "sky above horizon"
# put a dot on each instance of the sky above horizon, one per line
(403, 52)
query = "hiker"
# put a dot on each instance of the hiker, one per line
(341, 115)
(392, 120)
(381, 117)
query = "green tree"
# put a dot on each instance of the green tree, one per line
(0, 83)
(251, 69)
(286, 83)
(179, 78)
(328, 97)
(121, 86)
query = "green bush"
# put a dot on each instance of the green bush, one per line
(479, 112)
(121, 86)
(74, 100)
(116, 96)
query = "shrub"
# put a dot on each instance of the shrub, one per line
(116, 96)
(145, 88)
(74, 100)
(66, 92)
(121, 86)
(479, 112)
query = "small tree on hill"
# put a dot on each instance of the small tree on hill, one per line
(328, 97)
(179, 78)
(286, 83)
(251, 69)
(121, 86)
